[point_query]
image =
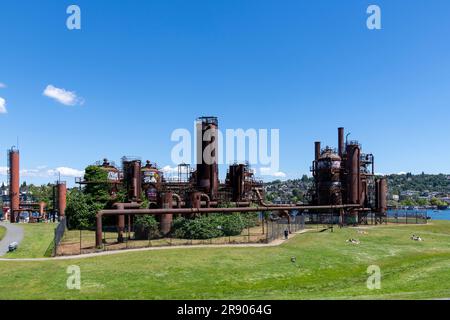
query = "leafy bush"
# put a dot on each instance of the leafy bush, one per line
(146, 227)
(250, 219)
(81, 210)
(213, 226)
(200, 228)
(231, 225)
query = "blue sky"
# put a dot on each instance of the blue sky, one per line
(145, 68)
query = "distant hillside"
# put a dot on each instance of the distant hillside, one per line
(423, 183)
(404, 185)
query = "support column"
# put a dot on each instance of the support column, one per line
(120, 224)
(166, 219)
(98, 232)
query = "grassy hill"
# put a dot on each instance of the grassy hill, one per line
(2, 232)
(327, 267)
(37, 241)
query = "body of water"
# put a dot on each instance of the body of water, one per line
(439, 214)
(434, 214)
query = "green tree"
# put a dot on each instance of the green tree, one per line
(97, 185)
(80, 210)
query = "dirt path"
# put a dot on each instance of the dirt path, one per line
(106, 253)
(14, 233)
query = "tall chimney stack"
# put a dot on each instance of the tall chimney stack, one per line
(341, 143)
(317, 150)
(14, 183)
(62, 191)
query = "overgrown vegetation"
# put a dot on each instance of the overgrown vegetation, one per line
(82, 206)
(81, 210)
(146, 227)
(213, 226)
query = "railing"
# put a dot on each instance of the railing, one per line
(83, 241)
(407, 216)
(59, 234)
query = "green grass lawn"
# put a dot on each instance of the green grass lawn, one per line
(36, 242)
(327, 268)
(2, 232)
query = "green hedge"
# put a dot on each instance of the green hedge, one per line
(213, 226)
(146, 227)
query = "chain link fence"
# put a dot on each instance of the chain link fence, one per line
(404, 216)
(83, 241)
(59, 235)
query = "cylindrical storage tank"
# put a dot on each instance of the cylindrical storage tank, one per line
(364, 191)
(14, 178)
(132, 179)
(113, 176)
(382, 196)
(353, 169)
(42, 209)
(236, 181)
(62, 191)
(113, 172)
(328, 178)
(207, 154)
(195, 199)
(151, 181)
(166, 199)
(137, 180)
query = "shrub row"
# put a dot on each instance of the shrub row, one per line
(212, 226)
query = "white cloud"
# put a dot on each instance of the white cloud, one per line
(268, 172)
(69, 172)
(44, 172)
(3, 105)
(68, 98)
(2, 85)
(169, 169)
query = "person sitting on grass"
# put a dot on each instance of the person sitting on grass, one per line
(354, 241)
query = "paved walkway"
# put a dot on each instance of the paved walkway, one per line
(14, 233)
(106, 253)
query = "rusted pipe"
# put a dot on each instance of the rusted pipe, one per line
(191, 211)
(98, 232)
(221, 210)
(126, 205)
(177, 199)
(204, 195)
(166, 219)
(120, 222)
